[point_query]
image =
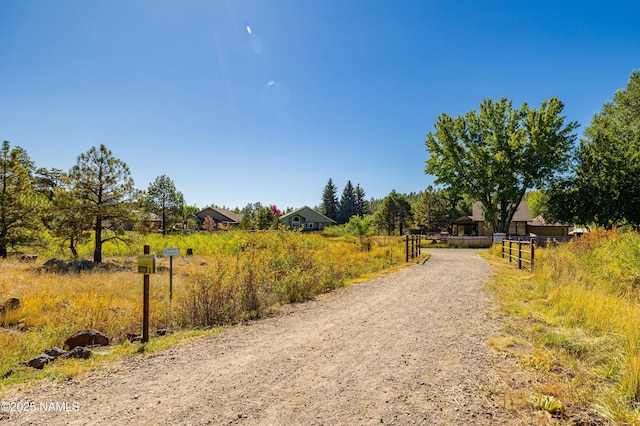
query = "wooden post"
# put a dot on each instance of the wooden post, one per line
(414, 247)
(519, 253)
(145, 303)
(503, 248)
(170, 278)
(407, 249)
(532, 255)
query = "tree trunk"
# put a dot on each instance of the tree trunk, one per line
(97, 252)
(3, 246)
(164, 222)
(72, 247)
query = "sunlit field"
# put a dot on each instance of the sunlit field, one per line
(231, 277)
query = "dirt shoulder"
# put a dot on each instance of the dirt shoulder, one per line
(409, 348)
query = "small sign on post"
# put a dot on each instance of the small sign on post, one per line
(146, 266)
(171, 251)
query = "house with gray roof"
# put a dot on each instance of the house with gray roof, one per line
(220, 216)
(307, 219)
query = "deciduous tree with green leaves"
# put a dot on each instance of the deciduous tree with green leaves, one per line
(19, 201)
(538, 202)
(104, 187)
(605, 189)
(496, 154)
(360, 227)
(188, 213)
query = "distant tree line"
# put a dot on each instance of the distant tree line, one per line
(430, 210)
(351, 203)
(259, 217)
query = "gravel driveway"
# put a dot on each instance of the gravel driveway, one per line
(409, 348)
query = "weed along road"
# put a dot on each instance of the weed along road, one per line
(408, 348)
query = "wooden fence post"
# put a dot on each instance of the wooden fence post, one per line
(532, 255)
(407, 249)
(145, 303)
(412, 249)
(519, 253)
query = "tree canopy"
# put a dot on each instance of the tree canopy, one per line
(394, 213)
(432, 210)
(496, 154)
(163, 199)
(604, 188)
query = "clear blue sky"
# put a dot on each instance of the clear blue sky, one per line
(244, 101)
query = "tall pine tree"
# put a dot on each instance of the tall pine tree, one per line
(330, 201)
(348, 205)
(18, 200)
(165, 200)
(394, 213)
(104, 187)
(362, 205)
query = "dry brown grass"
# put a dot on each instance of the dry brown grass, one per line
(576, 323)
(237, 276)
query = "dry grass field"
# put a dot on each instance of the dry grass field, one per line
(575, 323)
(233, 276)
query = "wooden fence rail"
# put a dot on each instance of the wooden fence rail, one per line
(519, 251)
(413, 247)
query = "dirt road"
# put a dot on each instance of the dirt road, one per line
(409, 348)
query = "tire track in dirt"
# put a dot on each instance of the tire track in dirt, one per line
(409, 348)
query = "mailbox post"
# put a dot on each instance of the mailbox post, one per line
(146, 266)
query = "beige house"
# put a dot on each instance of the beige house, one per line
(522, 224)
